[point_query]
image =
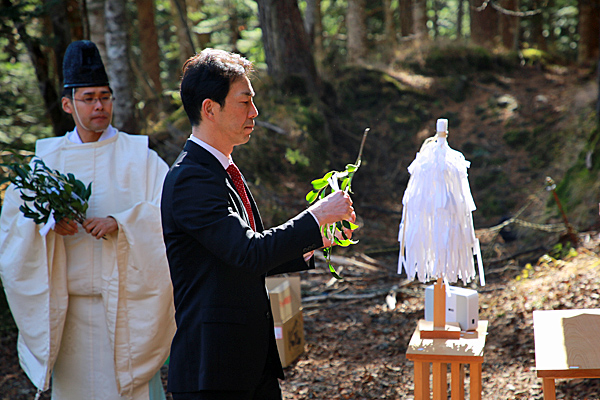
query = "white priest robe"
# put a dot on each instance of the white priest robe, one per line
(97, 315)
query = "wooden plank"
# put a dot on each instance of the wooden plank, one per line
(439, 304)
(440, 381)
(457, 381)
(475, 381)
(469, 348)
(421, 380)
(549, 389)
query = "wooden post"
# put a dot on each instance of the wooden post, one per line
(439, 304)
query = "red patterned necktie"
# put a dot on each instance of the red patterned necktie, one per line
(236, 176)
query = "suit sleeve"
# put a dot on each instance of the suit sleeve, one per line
(203, 207)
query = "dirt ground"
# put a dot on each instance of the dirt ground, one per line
(357, 330)
(356, 342)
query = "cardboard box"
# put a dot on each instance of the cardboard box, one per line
(290, 339)
(281, 302)
(296, 297)
(286, 304)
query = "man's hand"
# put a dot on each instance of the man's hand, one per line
(329, 241)
(66, 227)
(337, 206)
(99, 227)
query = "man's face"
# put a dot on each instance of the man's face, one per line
(91, 108)
(236, 118)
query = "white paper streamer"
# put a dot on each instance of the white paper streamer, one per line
(437, 238)
(48, 225)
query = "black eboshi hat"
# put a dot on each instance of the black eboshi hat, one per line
(82, 66)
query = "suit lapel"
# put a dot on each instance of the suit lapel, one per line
(199, 155)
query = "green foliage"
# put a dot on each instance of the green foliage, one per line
(560, 251)
(22, 112)
(334, 181)
(48, 193)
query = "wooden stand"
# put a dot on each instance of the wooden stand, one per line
(566, 346)
(441, 329)
(466, 350)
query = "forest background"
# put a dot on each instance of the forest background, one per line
(517, 80)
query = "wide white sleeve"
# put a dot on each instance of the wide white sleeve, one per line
(145, 316)
(33, 275)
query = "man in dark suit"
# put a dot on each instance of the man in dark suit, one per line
(219, 252)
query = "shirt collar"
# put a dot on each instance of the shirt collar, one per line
(109, 132)
(223, 159)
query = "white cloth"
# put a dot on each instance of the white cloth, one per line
(436, 235)
(128, 273)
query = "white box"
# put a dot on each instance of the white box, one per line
(462, 306)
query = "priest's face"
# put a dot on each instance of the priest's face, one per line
(91, 108)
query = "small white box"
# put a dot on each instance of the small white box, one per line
(462, 306)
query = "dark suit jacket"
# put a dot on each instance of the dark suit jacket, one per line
(218, 267)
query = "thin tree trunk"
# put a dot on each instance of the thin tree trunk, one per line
(459, 20)
(420, 20)
(589, 26)
(120, 73)
(149, 44)
(313, 24)
(484, 24)
(97, 24)
(356, 45)
(45, 71)
(406, 18)
(389, 27)
(184, 36)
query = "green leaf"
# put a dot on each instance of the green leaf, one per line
(351, 167)
(349, 225)
(312, 196)
(333, 272)
(345, 183)
(319, 184)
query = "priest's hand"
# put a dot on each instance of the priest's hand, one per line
(99, 227)
(66, 227)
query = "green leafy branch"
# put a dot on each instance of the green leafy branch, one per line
(334, 181)
(47, 192)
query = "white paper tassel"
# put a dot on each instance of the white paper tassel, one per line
(437, 238)
(48, 225)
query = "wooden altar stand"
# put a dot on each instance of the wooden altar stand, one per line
(567, 346)
(439, 343)
(467, 349)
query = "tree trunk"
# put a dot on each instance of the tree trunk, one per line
(589, 28)
(97, 24)
(45, 70)
(406, 18)
(484, 24)
(420, 20)
(74, 16)
(459, 19)
(509, 24)
(149, 44)
(389, 26)
(313, 24)
(287, 50)
(120, 73)
(60, 32)
(356, 45)
(435, 9)
(184, 36)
